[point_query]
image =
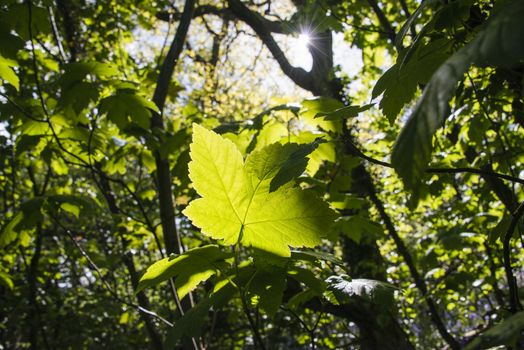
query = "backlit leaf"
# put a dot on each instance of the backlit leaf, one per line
(6, 280)
(236, 206)
(190, 268)
(7, 73)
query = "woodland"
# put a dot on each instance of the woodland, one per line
(261, 174)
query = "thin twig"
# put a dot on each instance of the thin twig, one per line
(56, 34)
(21, 110)
(361, 154)
(97, 270)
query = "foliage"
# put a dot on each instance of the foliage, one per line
(172, 177)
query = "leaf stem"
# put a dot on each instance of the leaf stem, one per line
(242, 293)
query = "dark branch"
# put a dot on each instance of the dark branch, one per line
(384, 22)
(484, 171)
(255, 21)
(279, 27)
(172, 239)
(514, 303)
(166, 71)
(402, 249)
(419, 281)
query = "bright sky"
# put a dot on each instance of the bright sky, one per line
(348, 58)
(241, 64)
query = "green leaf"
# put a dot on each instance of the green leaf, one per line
(10, 233)
(6, 280)
(77, 71)
(399, 84)
(499, 230)
(498, 44)
(266, 289)
(455, 13)
(74, 204)
(320, 106)
(356, 227)
(26, 142)
(7, 73)
(505, 333)
(308, 278)
(280, 162)
(402, 32)
(325, 151)
(301, 298)
(11, 43)
(190, 269)
(236, 206)
(71, 208)
(80, 95)
(126, 104)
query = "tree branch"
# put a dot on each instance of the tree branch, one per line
(484, 171)
(401, 247)
(384, 22)
(419, 281)
(107, 286)
(255, 21)
(172, 239)
(163, 169)
(278, 27)
(514, 303)
(168, 67)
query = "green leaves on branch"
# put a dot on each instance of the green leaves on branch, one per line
(253, 203)
(126, 107)
(497, 44)
(415, 66)
(191, 268)
(330, 109)
(31, 213)
(237, 205)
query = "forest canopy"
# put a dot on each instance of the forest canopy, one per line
(261, 174)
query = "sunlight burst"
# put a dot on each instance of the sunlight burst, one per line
(303, 39)
(299, 51)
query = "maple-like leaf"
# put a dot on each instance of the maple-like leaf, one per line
(237, 205)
